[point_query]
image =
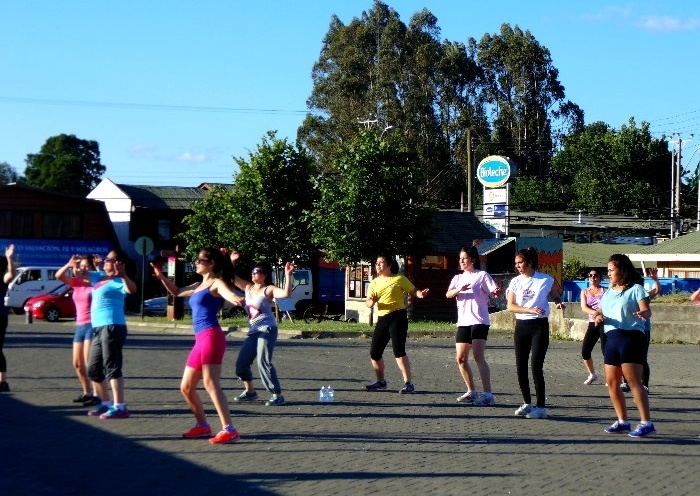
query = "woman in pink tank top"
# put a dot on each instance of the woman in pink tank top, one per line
(590, 299)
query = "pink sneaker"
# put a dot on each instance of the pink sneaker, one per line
(225, 437)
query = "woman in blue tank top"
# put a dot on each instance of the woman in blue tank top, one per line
(206, 358)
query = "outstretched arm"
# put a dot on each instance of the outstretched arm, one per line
(10, 273)
(170, 285)
(285, 292)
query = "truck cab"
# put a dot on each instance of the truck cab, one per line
(30, 282)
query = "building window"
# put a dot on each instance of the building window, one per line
(62, 226)
(164, 229)
(359, 280)
(16, 224)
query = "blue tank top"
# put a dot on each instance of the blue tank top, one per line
(204, 307)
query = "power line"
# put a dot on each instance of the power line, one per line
(147, 106)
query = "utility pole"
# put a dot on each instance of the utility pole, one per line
(470, 173)
(676, 173)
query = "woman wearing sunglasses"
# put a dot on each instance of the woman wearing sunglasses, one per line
(207, 356)
(262, 331)
(590, 299)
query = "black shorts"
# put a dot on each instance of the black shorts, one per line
(623, 346)
(465, 334)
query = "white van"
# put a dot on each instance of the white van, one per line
(29, 282)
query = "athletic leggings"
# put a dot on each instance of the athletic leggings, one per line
(589, 341)
(531, 335)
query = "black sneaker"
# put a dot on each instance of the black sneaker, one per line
(82, 398)
(407, 388)
(246, 396)
(376, 385)
(4, 387)
(92, 401)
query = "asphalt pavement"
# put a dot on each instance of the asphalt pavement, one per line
(363, 443)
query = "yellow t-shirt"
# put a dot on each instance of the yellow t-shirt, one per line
(389, 291)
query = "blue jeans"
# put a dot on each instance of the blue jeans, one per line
(259, 346)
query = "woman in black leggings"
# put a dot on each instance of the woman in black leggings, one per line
(527, 299)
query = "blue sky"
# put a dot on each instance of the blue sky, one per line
(173, 90)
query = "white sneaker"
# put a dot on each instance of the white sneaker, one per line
(468, 397)
(523, 410)
(537, 413)
(592, 377)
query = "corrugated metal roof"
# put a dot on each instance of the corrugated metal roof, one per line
(455, 229)
(490, 245)
(162, 197)
(597, 254)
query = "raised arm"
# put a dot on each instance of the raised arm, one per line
(10, 273)
(170, 285)
(62, 273)
(656, 290)
(222, 289)
(121, 272)
(285, 292)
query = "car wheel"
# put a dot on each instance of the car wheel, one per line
(52, 314)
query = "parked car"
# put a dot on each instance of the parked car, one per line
(158, 307)
(53, 306)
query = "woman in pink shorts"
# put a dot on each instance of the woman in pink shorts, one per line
(206, 358)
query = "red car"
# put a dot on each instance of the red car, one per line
(58, 304)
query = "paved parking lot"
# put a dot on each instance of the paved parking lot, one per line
(364, 443)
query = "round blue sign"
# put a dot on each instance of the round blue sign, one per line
(494, 171)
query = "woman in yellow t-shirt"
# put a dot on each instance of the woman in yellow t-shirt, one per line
(387, 291)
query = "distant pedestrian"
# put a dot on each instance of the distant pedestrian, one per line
(82, 338)
(527, 298)
(590, 299)
(472, 289)
(7, 269)
(206, 359)
(623, 311)
(387, 291)
(259, 344)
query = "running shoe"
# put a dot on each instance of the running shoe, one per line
(537, 413)
(592, 377)
(407, 388)
(93, 401)
(468, 397)
(618, 427)
(115, 412)
(376, 385)
(523, 410)
(197, 431)
(225, 437)
(246, 396)
(275, 400)
(485, 400)
(83, 398)
(643, 430)
(624, 387)
(98, 410)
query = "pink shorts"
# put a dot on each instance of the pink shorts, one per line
(209, 347)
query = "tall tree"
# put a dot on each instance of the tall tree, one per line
(8, 174)
(372, 203)
(529, 110)
(384, 73)
(65, 164)
(264, 213)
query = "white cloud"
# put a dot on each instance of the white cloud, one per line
(668, 23)
(192, 157)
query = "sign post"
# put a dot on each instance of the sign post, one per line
(493, 173)
(144, 246)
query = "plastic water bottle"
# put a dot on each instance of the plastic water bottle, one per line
(323, 394)
(330, 394)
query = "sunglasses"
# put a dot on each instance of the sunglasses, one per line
(110, 260)
(202, 260)
(594, 276)
(257, 271)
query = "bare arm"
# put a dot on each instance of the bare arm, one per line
(170, 285)
(62, 273)
(556, 298)
(695, 295)
(285, 292)
(128, 283)
(656, 290)
(220, 288)
(584, 304)
(10, 273)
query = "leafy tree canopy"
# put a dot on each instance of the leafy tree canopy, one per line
(264, 214)
(372, 203)
(8, 174)
(65, 164)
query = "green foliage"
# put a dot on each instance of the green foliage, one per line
(264, 214)
(8, 174)
(573, 268)
(602, 169)
(65, 164)
(372, 203)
